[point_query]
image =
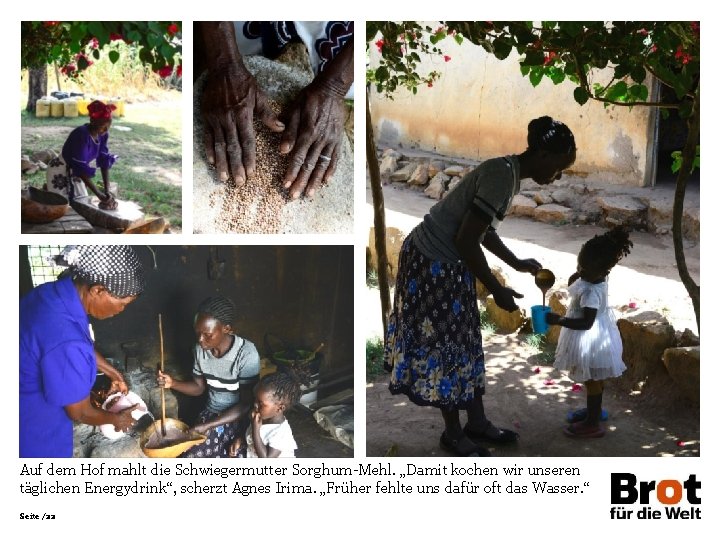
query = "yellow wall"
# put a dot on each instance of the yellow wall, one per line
(481, 106)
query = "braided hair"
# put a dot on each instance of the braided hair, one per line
(604, 251)
(550, 135)
(220, 308)
(284, 387)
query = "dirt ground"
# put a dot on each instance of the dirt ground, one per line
(536, 404)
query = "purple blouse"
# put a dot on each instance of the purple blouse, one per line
(80, 149)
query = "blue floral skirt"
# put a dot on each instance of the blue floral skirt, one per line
(434, 347)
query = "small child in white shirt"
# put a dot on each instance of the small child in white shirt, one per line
(269, 434)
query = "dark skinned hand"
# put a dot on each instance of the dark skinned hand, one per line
(108, 203)
(313, 139)
(230, 101)
(531, 266)
(552, 318)
(119, 385)
(505, 298)
(124, 420)
(201, 428)
(256, 419)
(164, 380)
(237, 445)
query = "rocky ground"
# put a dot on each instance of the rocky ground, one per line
(569, 200)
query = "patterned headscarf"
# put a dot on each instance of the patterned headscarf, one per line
(97, 110)
(117, 268)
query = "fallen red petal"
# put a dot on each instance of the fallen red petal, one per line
(681, 444)
(537, 370)
(577, 387)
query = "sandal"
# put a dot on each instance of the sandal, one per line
(579, 430)
(504, 436)
(453, 446)
(581, 414)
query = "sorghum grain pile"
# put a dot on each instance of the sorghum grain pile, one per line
(256, 207)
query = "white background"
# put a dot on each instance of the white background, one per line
(475, 516)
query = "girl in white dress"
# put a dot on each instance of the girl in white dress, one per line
(269, 434)
(589, 347)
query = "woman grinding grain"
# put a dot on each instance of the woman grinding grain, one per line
(71, 174)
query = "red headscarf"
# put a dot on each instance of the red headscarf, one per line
(99, 111)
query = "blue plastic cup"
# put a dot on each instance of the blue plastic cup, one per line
(540, 325)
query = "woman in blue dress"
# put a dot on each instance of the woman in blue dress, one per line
(58, 362)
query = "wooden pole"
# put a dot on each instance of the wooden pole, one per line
(162, 368)
(688, 156)
(379, 214)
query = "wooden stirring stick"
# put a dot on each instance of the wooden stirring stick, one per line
(162, 368)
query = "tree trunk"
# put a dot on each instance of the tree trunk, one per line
(37, 86)
(379, 212)
(688, 156)
(57, 76)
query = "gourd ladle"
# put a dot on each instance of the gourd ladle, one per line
(544, 279)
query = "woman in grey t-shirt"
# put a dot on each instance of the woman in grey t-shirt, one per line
(434, 347)
(227, 366)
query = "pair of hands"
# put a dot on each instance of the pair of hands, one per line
(505, 296)
(108, 202)
(311, 133)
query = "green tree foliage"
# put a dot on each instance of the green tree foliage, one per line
(558, 51)
(74, 45)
